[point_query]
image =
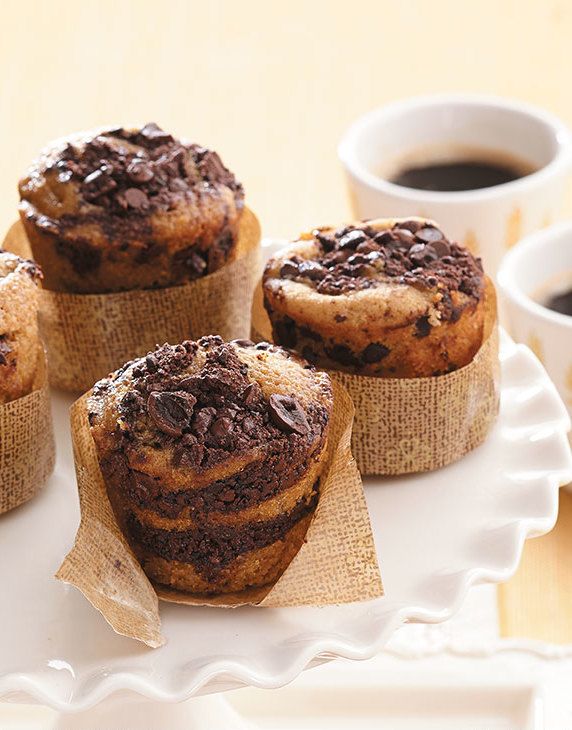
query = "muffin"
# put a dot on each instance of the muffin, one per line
(19, 339)
(211, 453)
(124, 209)
(387, 298)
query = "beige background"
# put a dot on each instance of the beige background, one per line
(272, 86)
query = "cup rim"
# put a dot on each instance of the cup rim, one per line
(559, 163)
(507, 281)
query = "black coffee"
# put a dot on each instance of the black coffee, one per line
(561, 303)
(457, 176)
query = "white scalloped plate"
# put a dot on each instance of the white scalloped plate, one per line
(437, 534)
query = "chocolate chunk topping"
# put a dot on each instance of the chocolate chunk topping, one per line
(171, 411)
(205, 415)
(155, 134)
(287, 414)
(362, 257)
(138, 171)
(352, 239)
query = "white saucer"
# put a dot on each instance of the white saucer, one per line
(437, 534)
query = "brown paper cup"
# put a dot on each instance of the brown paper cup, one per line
(408, 425)
(90, 335)
(27, 449)
(336, 564)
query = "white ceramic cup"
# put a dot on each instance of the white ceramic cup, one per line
(425, 129)
(541, 264)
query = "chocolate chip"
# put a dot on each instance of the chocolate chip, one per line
(211, 166)
(410, 225)
(422, 327)
(139, 171)
(404, 236)
(243, 343)
(311, 269)
(287, 414)
(343, 355)
(171, 412)
(221, 429)
(356, 259)
(136, 198)
(251, 394)
(441, 248)
(196, 453)
(375, 352)
(151, 363)
(429, 234)
(327, 241)
(339, 257)
(190, 383)
(340, 317)
(419, 253)
(469, 285)
(352, 239)
(383, 238)
(249, 425)
(153, 132)
(98, 183)
(203, 420)
(228, 495)
(366, 247)
(289, 268)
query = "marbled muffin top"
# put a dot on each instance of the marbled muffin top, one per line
(118, 176)
(196, 405)
(363, 256)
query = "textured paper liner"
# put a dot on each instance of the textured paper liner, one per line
(409, 425)
(27, 448)
(336, 564)
(90, 335)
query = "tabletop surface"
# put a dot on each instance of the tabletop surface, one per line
(271, 87)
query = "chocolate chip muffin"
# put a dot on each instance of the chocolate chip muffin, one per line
(388, 298)
(211, 453)
(19, 339)
(123, 209)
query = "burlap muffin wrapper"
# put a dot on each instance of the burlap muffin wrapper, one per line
(90, 335)
(27, 447)
(410, 425)
(336, 564)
